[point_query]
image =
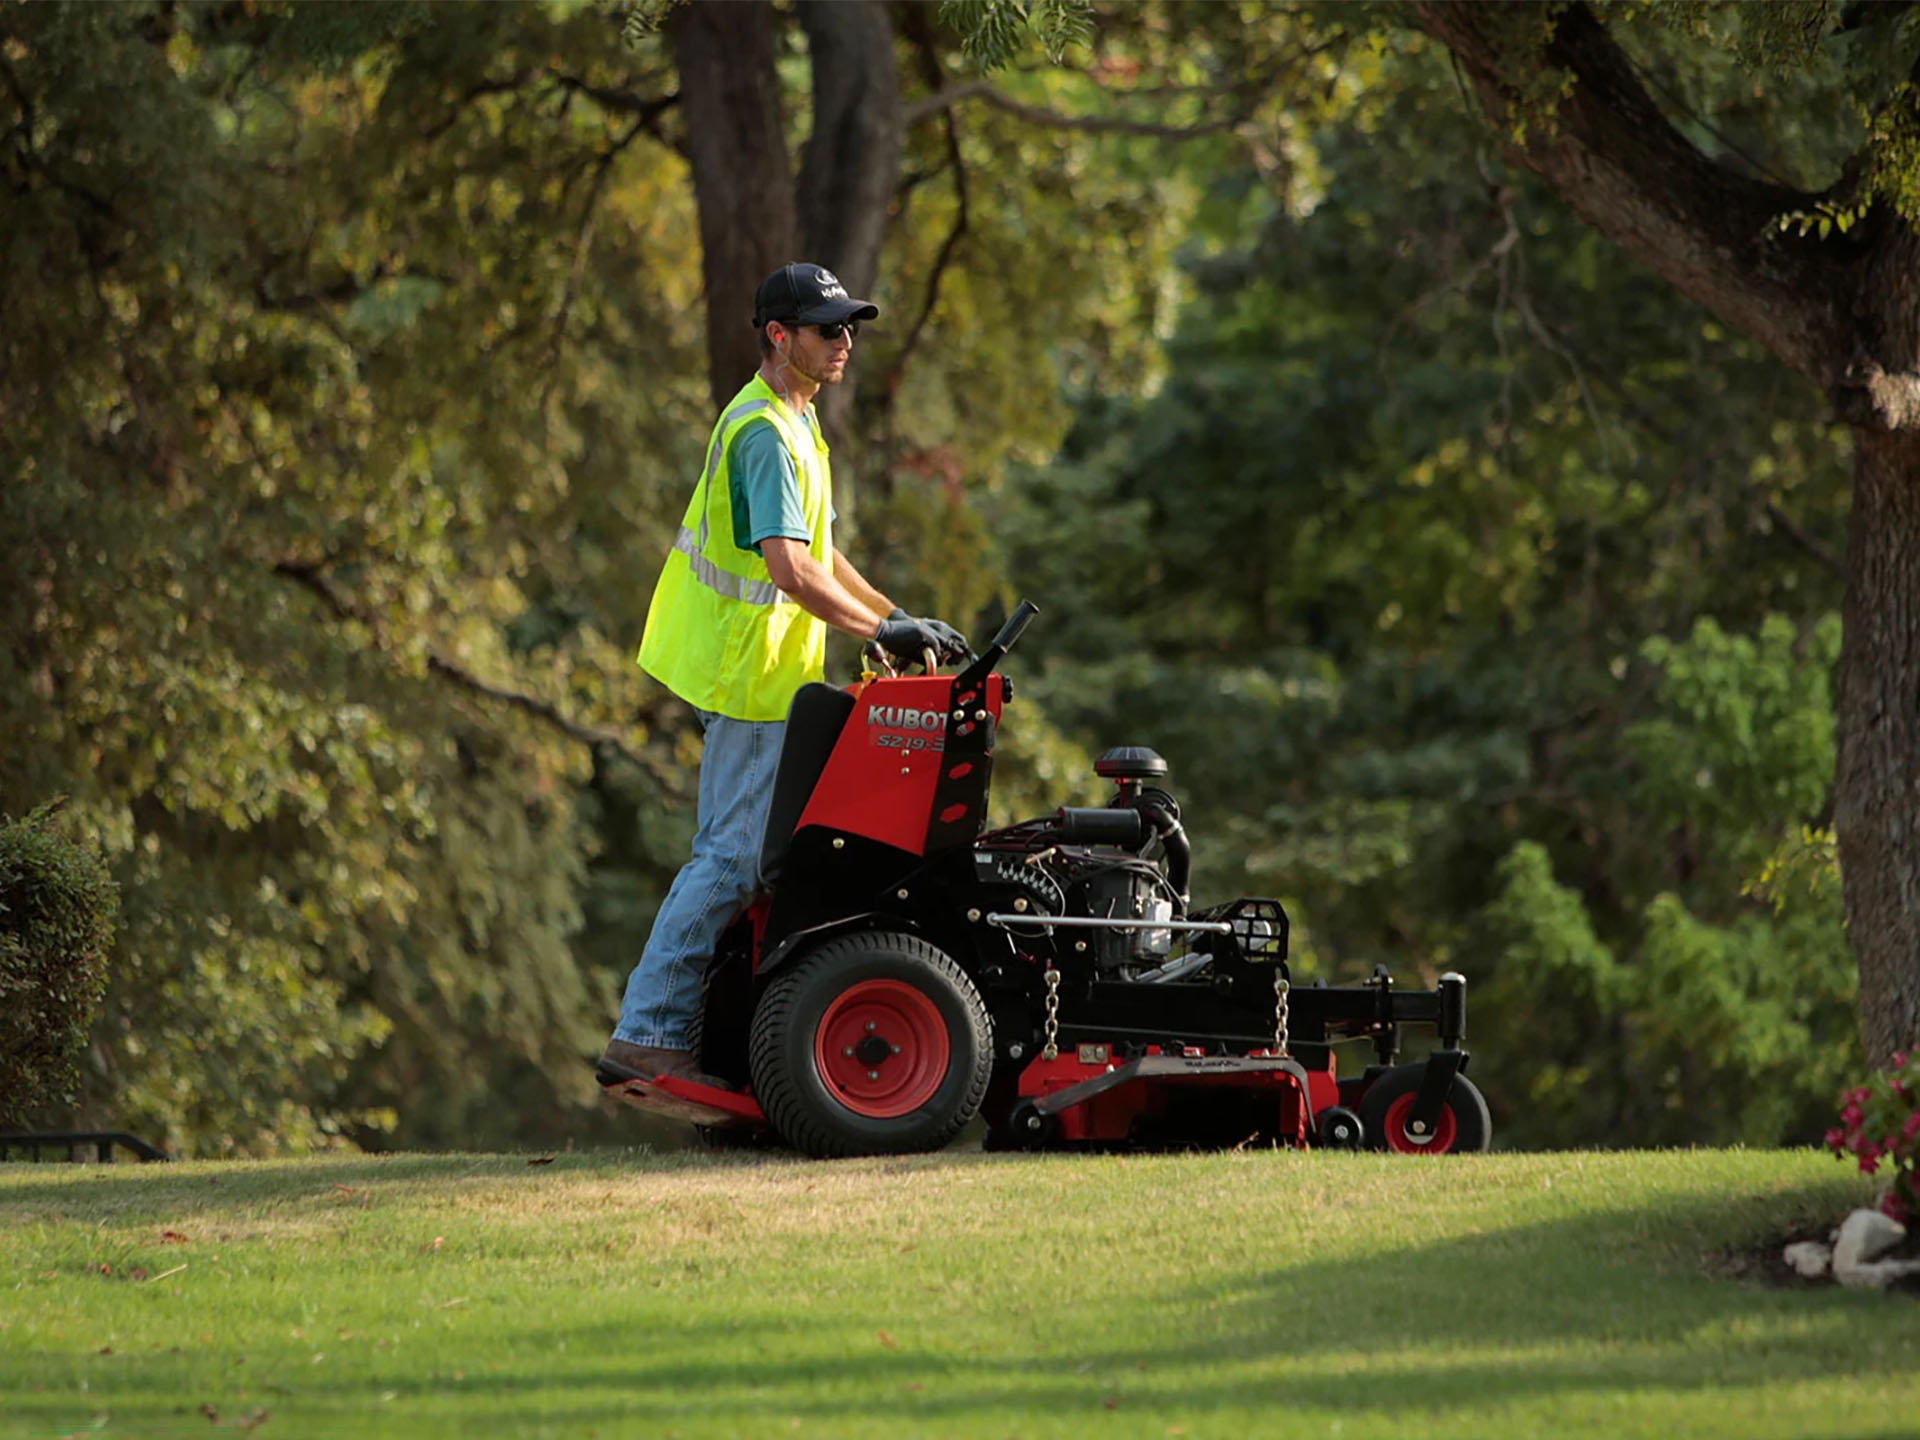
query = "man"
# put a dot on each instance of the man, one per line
(737, 625)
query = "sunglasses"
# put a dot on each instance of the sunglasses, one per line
(848, 328)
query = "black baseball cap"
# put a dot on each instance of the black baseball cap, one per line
(802, 294)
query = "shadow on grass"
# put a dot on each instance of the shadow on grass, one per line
(145, 1193)
(1609, 1307)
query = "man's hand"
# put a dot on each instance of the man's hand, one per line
(955, 647)
(905, 638)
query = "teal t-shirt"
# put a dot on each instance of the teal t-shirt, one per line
(766, 491)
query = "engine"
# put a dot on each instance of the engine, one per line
(1094, 864)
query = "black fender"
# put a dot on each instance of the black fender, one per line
(792, 946)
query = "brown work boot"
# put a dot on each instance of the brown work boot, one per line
(624, 1061)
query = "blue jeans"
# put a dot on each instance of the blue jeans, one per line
(736, 786)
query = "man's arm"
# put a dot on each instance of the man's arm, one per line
(858, 586)
(820, 591)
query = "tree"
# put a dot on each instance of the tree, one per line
(1421, 571)
(56, 920)
(1827, 278)
(356, 363)
(1821, 272)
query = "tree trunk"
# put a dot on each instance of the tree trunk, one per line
(1877, 788)
(852, 158)
(742, 179)
(848, 172)
(752, 218)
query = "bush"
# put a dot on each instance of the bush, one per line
(1880, 1125)
(57, 908)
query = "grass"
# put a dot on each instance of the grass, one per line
(628, 1294)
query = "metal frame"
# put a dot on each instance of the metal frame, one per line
(103, 1142)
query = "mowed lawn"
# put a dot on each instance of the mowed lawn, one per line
(1238, 1295)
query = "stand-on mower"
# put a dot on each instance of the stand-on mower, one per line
(903, 971)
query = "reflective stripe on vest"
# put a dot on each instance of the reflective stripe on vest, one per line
(734, 587)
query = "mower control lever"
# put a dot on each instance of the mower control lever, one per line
(976, 674)
(1016, 626)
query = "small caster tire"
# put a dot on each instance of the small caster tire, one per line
(1028, 1129)
(1338, 1128)
(1464, 1125)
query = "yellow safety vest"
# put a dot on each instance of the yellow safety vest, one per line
(720, 634)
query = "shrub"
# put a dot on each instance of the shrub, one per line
(57, 908)
(1880, 1125)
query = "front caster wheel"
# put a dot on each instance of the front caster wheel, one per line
(1025, 1128)
(1464, 1124)
(1339, 1128)
(875, 1044)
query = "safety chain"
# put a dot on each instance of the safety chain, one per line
(1280, 988)
(1051, 1050)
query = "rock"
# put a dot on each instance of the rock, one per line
(1809, 1258)
(1864, 1236)
(1876, 1274)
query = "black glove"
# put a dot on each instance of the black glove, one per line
(954, 647)
(947, 643)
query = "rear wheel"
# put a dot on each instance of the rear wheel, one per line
(876, 1043)
(1463, 1124)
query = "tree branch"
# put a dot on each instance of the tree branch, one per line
(1627, 171)
(940, 262)
(1248, 92)
(583, 237)
(476, 91)
(646, 110)
(1819, 553)
(946, 100)
(312, 577)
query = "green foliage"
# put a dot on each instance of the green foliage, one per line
(353, 382)
(639, 18)
(57, 908)
(1744, 737)
(993, 31)
(1385, 568)
(338, 451)
(1822, 220)
(1821, 95)
(1737, 1020)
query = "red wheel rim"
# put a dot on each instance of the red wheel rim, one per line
(882, 1048)
(1399, 1141)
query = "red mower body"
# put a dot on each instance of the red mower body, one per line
(880, 781)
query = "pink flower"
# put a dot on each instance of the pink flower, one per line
(1912, 1126)
(1899, 1059)
(1894, 1208)
(1837, 1139)
(1850, 1117)
(1869, 1163)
